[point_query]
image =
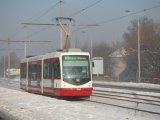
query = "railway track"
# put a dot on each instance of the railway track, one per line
(133, 101)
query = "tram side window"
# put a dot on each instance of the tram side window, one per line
(51, 70)
(56, 67)
(29, 72)
(46, 70)
(34, 72)
(38, 71)
(23, 70)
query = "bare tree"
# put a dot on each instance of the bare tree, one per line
(150, 50)
(102, 49)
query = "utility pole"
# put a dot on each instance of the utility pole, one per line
(61, 31)
(4, 67)
(8, 51)
(25, 43)
(8, 58)
(61, 23)
(139, 50)
(139, 54)
(91, 49)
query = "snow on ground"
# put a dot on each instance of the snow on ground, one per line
(27, 106)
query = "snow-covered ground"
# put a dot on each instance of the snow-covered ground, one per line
(26, 106)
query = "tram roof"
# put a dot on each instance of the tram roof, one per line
(58, 53)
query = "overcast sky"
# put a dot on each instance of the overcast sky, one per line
(106, 13)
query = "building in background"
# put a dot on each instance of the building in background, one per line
(97, 66)
(118, 63)
(13, 72)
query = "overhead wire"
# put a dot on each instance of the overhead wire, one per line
(40, 16)
(47, 11)
(43, 13)
(124, 16)
(37, 32)
(82, 10)
(35, 19)
(75, 9)
(121, 17)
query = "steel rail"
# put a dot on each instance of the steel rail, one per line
(128, 93)
(112, 96)
(135, 101)
(157, 113)
(135, 98)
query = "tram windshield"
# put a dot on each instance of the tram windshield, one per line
(76, 69)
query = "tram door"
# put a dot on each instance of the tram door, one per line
(52, 78)
(55, 73)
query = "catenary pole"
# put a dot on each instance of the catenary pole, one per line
(61, 31)
(139, 54)
(8, 58)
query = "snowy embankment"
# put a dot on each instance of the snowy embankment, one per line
(130, 84)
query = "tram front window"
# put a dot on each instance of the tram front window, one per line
(76, 69)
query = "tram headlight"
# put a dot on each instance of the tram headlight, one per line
(68, 77)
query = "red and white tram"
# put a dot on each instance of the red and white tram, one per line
(57, 74)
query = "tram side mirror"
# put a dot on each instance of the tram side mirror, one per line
(92, 64)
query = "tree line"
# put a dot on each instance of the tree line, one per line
(149, 32)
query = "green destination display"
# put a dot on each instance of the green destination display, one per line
(73, 57)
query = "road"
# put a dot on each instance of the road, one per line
(17, 104)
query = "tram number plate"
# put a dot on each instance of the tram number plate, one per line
(78, 89)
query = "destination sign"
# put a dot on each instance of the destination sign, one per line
(77, 57)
